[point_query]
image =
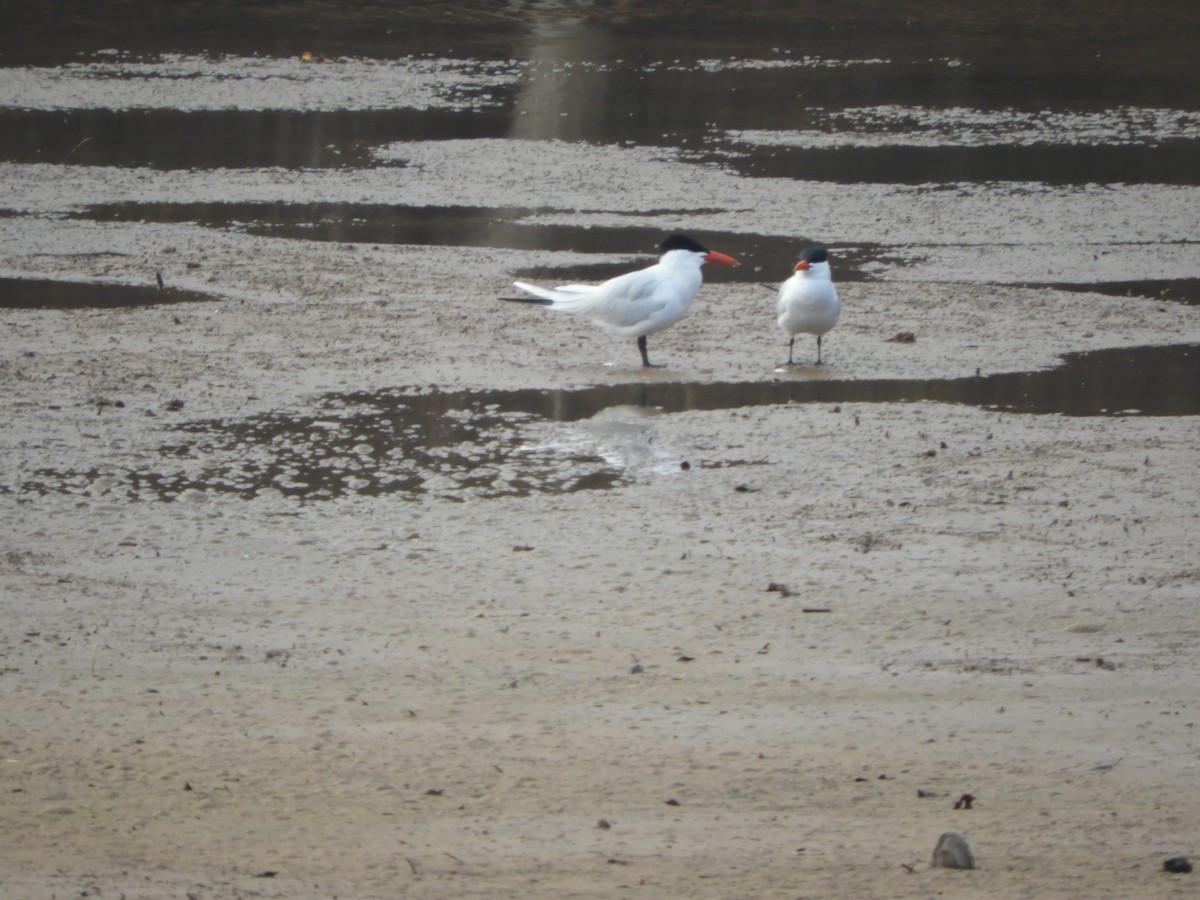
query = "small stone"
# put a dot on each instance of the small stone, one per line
(1178, 865)
(952, 852)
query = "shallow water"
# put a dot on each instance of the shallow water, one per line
(1063, 94)
(494, 443)
(30, 293)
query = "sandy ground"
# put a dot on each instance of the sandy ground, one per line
(592, 693)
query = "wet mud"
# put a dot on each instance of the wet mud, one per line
(489, 444)
(330, 575)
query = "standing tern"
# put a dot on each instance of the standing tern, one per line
(636, 303)
(808, 301)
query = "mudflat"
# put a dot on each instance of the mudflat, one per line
(764, 660)
(307, 597)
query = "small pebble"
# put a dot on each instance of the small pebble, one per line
(1178, 865)
(952, 852)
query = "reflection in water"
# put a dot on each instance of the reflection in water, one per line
(491, 443)
(567, 91)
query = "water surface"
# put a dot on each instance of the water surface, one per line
(488, 444)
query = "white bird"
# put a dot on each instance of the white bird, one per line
(808, 301)
(637, 303)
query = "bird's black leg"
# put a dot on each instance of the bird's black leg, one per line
(646, 364)
(791, 344)
(819, 363)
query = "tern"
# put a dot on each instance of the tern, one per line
(808, 301)
(638, 303)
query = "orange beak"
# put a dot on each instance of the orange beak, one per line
(801, 266)
(714, 256)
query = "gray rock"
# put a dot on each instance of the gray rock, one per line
(952, 852)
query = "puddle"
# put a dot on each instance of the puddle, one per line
(453, 226)
(20, 293)
(206, 139)
(1178, 290)
(453, 445)
(170, 139)
(912, 144)
(486, 444)
(1174, 163)
(471, 226)
(916, 126)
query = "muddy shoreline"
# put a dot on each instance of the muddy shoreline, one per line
(450, 694)
(343, 578)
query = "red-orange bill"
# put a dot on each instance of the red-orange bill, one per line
(718, 257)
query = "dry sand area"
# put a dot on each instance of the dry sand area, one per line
(769, 673)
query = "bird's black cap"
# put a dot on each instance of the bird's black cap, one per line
(815, 254)
(682, 242)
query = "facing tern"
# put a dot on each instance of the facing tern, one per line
(637, 303)
(808, 301)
